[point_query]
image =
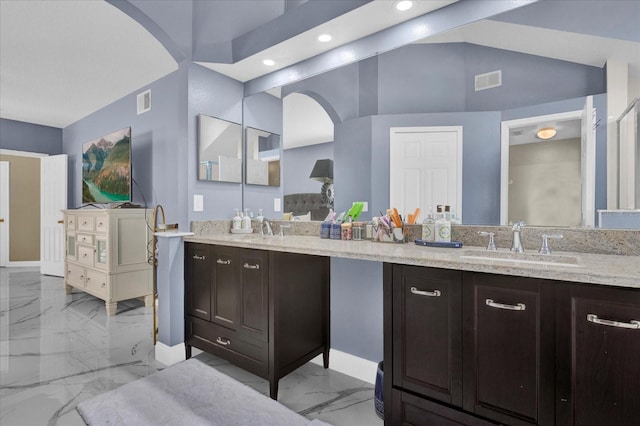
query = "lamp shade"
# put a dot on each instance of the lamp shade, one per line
(322, 171)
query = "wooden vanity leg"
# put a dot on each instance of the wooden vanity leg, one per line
(111, 307)
(187, 351)
(325, 358)
(67, 289)
(148, 300)
(273, 389)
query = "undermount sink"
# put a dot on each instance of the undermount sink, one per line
(527, 258)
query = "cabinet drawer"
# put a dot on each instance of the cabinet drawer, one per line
(250, 355)
(411, 410)
(71, 222)
(96, 283)
(75, 275)
(85, 255)
(85, 223)
(84, 239)
(102, 225)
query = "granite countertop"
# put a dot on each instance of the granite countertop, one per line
(613, 270)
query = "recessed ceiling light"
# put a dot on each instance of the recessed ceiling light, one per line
(269, 62)
(403, 5)
(325, 38)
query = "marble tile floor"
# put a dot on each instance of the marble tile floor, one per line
(57, 350)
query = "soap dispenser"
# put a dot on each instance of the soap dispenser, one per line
(428, 227)
(443, 226)
(246, 220)
(260, 217)
(237, 220)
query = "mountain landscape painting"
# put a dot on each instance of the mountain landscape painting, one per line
(106, 168)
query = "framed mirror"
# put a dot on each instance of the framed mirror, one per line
(263, 157)
(219, 150)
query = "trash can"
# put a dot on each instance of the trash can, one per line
(378, 392)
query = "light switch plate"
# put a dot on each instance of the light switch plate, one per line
(276, 205)
(198, 203)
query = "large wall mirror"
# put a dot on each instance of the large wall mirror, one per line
(219, 150)
(263, 157)
(432, 83)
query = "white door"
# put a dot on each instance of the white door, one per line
(588, 159)
(53, 199)
(4, 213)
(425, 165)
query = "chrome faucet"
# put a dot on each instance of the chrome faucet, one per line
(282, 228)
(516, 242)
(266, 223)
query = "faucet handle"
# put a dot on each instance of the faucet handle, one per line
(492, 245)
(545, 243)
(282, 227)
(517, 226)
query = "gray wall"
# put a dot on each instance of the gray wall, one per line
(21, 136)
(297, 164)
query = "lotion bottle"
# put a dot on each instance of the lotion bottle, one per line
(246, 220)
(428, 227)
(443, 227)
(237, 220)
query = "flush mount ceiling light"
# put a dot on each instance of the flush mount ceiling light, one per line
(325, 38)
(403, 5)
(546, 133)
(269, 62)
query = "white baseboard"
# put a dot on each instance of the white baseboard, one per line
(23, 264)
(351, 365)
(169, 355)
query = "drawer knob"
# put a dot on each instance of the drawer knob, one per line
(247, 266)
(633, 324)
(516, 307)
(223, 341)
(196, 257)
(223, 262)
(434, 293)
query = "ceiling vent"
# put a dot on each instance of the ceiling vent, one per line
(488, 80)
(144, 102)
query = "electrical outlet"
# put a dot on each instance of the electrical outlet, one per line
(198, 203)
(276, 205)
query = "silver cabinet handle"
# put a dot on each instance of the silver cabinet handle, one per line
(247, 266)
(200, 311)
(196, 257)
(633, 324)
(434, 293)
(225, 342)
(224, 262)
(516, 307)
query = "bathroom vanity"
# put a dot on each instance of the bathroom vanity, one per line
(475, 338)
(265, 311)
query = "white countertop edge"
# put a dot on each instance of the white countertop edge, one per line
(611, 270)
(172, 234)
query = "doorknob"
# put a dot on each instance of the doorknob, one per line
(1, 220)
(61, 221)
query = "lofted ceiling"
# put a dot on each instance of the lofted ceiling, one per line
(62, 60)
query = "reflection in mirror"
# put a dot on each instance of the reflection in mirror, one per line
(219, 150)
(263, 157)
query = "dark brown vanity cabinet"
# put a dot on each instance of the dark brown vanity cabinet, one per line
(509, 348)
(598, 364)
(267, 312)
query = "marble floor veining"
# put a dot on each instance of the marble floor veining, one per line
(57, 350)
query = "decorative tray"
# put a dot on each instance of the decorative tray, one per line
(241, 231)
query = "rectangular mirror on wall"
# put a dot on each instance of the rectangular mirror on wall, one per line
(219, 150)
(263, 157)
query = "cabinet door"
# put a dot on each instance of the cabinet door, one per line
(253, 294)
(598, 355)
(509, 348)
(224, 286)
(427, 332)
(198, 281)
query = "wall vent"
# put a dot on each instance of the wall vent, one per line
(144, 102)
(488, 80)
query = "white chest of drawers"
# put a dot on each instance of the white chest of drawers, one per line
(107, 254)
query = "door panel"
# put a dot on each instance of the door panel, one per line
(254, 294)
(224, 287)
(4, 213)
(198, 281)
(53, 199)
